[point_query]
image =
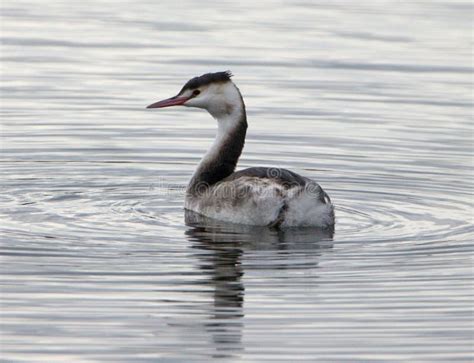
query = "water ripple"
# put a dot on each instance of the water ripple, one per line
(98, 254)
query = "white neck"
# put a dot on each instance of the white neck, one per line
(226, 124)
(221, 158)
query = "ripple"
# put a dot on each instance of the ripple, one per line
(98, 254)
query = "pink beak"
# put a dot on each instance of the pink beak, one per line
(173, 101)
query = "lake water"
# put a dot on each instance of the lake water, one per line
(372, 99)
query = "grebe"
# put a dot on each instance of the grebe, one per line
(257, 196)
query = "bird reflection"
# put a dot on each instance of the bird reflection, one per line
(220, 248)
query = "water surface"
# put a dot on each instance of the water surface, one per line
(372, 100)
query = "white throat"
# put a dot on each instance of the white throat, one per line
(221, 158)
(226, 126)
(228, 108)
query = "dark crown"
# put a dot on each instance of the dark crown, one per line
(206, 79)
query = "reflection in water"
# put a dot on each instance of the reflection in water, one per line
(221, 247)
(222, 265)
(254, 237)
(369, 98)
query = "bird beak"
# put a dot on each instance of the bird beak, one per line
(173, 101)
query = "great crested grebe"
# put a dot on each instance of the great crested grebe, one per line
(255, 196)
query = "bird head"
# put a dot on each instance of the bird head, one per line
(214, 92)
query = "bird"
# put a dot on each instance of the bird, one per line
(257, 196)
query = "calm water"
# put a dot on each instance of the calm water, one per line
(372, 100)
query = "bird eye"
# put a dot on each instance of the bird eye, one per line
(196, 92)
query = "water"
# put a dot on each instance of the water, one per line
(372, 100)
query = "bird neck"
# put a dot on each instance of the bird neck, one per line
(221, 159)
